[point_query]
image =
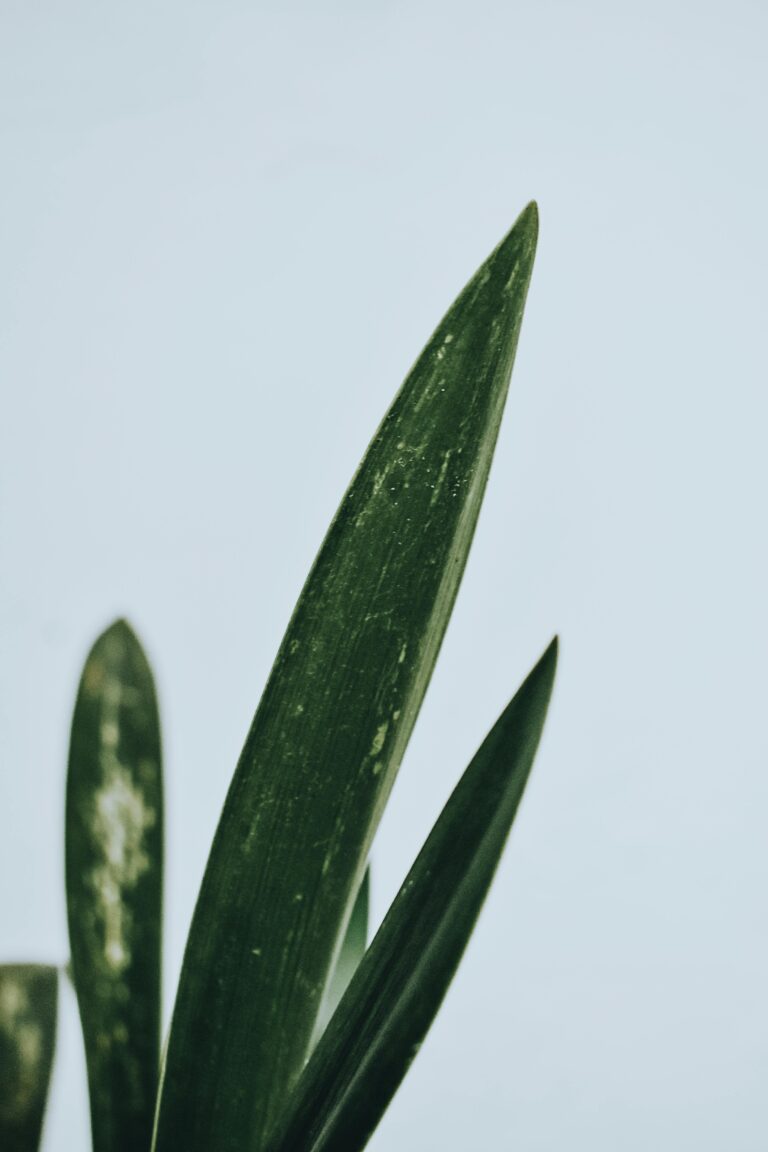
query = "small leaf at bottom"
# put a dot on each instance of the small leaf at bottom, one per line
(28, 999)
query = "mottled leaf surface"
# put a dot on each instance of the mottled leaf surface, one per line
(332, 725)
(114, 849)
(397, 990)
(28, 999)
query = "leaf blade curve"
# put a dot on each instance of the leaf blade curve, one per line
(330, 730)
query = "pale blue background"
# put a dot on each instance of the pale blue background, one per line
(227, 230)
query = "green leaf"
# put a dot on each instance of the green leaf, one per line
(351, 953)
(399, 986)
(28, 999)
(114, 851)
(332, 726)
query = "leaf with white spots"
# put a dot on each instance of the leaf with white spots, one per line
(333, 723)
(393, 997)
(114, 849)
(28, 1009)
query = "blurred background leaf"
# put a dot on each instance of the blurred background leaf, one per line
(28, 1009)
(114, 870)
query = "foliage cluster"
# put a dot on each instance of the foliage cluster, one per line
(288, 1033)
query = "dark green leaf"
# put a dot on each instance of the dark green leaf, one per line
(332, 725)
(28, 996)
(397, 990)
(114, 849)
(350, 955)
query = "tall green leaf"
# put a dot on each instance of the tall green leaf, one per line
(114, 850)
(28, 998)
(351, 953)
(397, 990)
(332, 725)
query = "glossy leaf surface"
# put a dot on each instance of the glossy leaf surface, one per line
(28, 1000)
(397, 990)
(114, 849)
(332, 725)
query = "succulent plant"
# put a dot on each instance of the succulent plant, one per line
(290, 1033)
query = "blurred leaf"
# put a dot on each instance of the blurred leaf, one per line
(332, 725)
(28, 999)
(351, 953)
(397, 990)
(114, 849)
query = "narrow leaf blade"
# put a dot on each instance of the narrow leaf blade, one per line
(114, 864)
(332, 725)
(399, 986)
(28, 1010)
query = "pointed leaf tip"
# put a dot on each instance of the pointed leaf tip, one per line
(552, 652)
(531, 215)
(519, 244)
(120, 635)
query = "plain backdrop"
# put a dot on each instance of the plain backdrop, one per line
(226, 231)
